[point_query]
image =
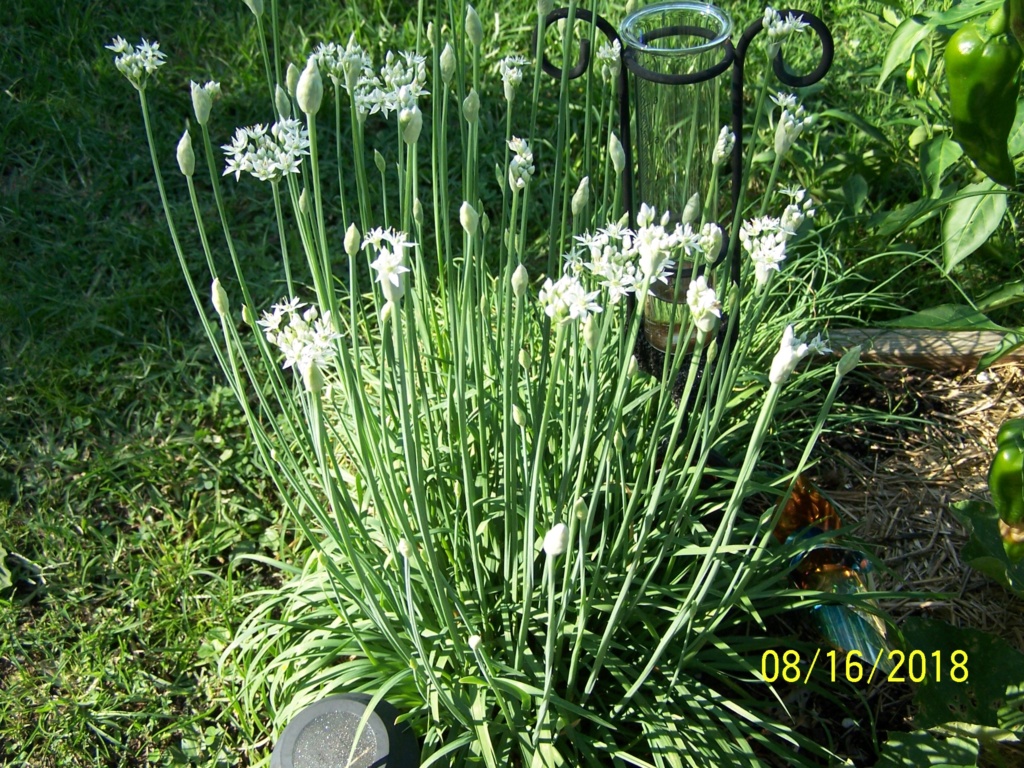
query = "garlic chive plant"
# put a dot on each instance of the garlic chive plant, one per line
(513, 534)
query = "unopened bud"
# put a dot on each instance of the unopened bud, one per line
(591, 333)
(474, 642)
(518, 416)
(378, 160)
(580, 509)
(616, 153)
(469, 218)
(220, 298)
(309, 92)
(256, 6)
(581, 196)
(352, 240)
(524, 359)
(485, 222)
(247, 317)
(312, 378)
(447, 63)
(556, 540)
(281, 102)
(385, 312)
(186, 157)
(849, 361)
(471, 106)
(417, 212)
(692, 209)
(632, 367)
(403, 548)
(474, 28)
(304, 202)
(617, 440)
(544, 7)
(411, 122)
(520, 281)
(291, 78)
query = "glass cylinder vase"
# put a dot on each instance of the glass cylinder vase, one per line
(675, 52)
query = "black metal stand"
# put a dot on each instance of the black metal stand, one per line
(733, 56)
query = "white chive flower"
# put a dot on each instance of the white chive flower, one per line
(710, 241)
(302, 336)
(137, 63)
(511, 70)
(390, 262)
(566, 299)
(791, 351)
(610, 57)
(791, 122)
(269, 155)
(474, 642)
(764, 240)
(779, 29)
(705, 308)
(520, 167)
(724, 146)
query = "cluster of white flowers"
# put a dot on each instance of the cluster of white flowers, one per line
(566, 299)
(138, 62)
(723, 147)
(390, 246)
(511, 70)
(610, 56)
(779, 29)
(791, 351)
(304, 337)
(520, 167)
(765, 238)
(791, 122)
(623, 259)
(401, 82)
(267, 155)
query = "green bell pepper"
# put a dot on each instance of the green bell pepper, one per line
(982, 66)
(1006, 484)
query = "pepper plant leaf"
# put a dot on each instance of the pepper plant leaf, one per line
(971, 220)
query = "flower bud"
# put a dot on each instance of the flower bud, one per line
(520, 281)
(692, 209)
(518, 416)
(309, 92)
(474, 28)
(256, 6)
(291, 78)
(378, 160)
(352, 240)
(403, 548)
(417, 212)
(617, 440)
(580, 509)
(202, 100)
(849, 360)
(385, 312)
(616, 153)
(304, 206)
(282, 103)
(410, 120)
(556, 540)
(524, 359)
(485, 222)
(544, 7)
(247, 317)
(312, 378)
(581, 196)
(220, 298)
(474, 642)
(447, 63)
(471, 106)
(591, 333)
(186, 157)
(552, 445)
(469, 218)
(632, 367)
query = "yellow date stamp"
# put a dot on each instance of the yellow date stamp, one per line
(892, 666)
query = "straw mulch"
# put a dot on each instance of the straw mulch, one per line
(897, 483)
